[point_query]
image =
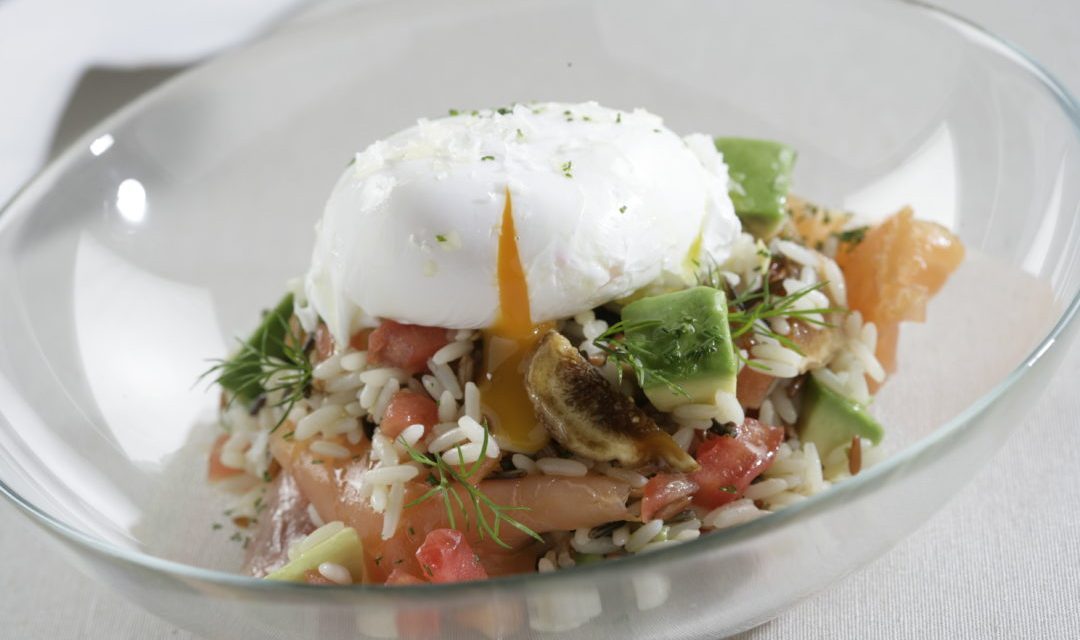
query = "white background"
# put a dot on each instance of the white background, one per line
(1001, 561)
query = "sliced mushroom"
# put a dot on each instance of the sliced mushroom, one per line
(588, 416)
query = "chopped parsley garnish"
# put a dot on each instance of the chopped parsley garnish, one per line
(455, 112)
(622, 209)
(566, 166)
(486, 158)
(440, 237)
(853, 236)
(618, 118)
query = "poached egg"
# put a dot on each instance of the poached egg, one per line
(603, 203)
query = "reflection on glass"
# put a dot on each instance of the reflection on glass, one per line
(143, 341)
(926, 180)
(131, 200)
(101, 144)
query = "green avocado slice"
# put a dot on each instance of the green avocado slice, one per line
(343, 548)
(830, 420)
(683, 336)
(760, 177)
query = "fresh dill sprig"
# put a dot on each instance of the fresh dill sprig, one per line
(273, 364)
(748, 308)
(633, 353)
(442, 486)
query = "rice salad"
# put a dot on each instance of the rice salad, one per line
(606, 339)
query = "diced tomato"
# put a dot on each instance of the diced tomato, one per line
(752, 386)
(892, 273)
(445, 556)
(729, 463)
(407, 408)
(324, 343)
(665, 489)
(359, 340)
(402, 577)
(406, 346)
(216, 471)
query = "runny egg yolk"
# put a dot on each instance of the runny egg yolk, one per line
(507, 344)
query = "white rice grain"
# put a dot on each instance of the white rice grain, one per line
(544, 565)
(472, 400)
(328, 368)
(335, 573)
(643, 535)
(432, 385)
(448, 409)
(774, 368)
(452, 351)
(767, 414)
(728, 408)
(381, 375)
(395, 503)
(379, 408)
(620, 535)
(783, 405)
(411, 434)
(562, 467)
(796, 252)
(368, 396)
(525, 463)
(837, 287)
(684, 437)
(447, 440)
(462, 454)
(391, 474)
(316, 421)
(314, 516)
(320, 535)
(732, 514)
(346, 382)
(355, 361)
(765, 489)
(445, 375)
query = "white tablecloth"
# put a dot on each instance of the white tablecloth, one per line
(1002, 560)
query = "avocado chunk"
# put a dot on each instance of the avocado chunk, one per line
(344, 548)
(760, 177)
(240, 374)
(830, 420)
(684, 339)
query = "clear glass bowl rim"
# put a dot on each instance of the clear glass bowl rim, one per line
(789, 516)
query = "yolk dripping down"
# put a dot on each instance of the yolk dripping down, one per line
(506, 345)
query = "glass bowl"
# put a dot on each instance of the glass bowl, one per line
(133, 258)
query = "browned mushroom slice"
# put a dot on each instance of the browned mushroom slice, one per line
(591, 418)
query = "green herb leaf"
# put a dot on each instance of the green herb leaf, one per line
(451, 479)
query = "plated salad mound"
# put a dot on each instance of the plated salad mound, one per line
(552, 334)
